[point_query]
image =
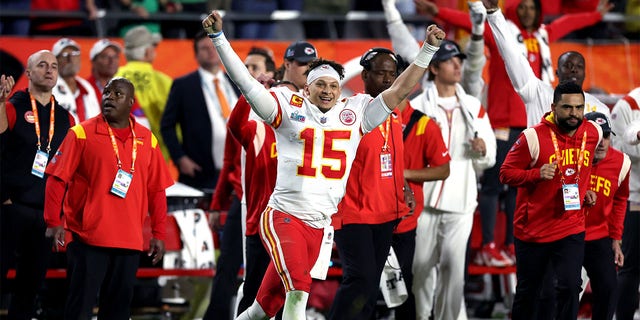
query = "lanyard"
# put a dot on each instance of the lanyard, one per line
(52, 121)
(560, 159)
(134, 151)
(385, 133)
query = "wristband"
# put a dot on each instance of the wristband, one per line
(424, 57)
(215, 34)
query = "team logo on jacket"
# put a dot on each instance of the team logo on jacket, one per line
(55, 156)
(347, 117)
(28, 117)
(569, 172)
(296, 101)
(295, 116)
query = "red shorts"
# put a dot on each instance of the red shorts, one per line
(294, 247)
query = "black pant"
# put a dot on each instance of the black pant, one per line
(598, 262)
(24, 243)
(566, 257)
(363, 250)
(109, 271)
(225, 282)
(601, 269)
(404, 244)
(491, 188)
(629, 274)
(257, 261)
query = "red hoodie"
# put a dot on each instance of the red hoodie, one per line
(610, 182)
(504, 106)
(540, 215)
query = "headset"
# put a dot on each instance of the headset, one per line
(365, 60)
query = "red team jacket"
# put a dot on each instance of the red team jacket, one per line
(610, 181)
(98, 217)
(371, 198)
(540, 215)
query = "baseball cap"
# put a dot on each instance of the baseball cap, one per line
(102, 44)
(448, 49)
(301, 51)
(140, 36)
(62, 44)
(601, 119)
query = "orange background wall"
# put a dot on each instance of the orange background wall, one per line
(614, 68)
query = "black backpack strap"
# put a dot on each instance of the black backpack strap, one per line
(415, 116)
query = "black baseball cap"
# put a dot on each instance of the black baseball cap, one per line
(448, 49)
(601, 119)
(301, 51)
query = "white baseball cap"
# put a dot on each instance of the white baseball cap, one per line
(102, 44)
(62, 44)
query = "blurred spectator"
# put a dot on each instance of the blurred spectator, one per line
(365, 29)
(73, 93)
(599, 30)
(181, 28)
(105, 60)
(254, 29)
(323, 28)
(151, 86)
(59, 26)
(144, 9)
(15, 26)
(632, 28)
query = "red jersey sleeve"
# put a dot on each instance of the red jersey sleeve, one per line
(158, 214)
(238, 117)
(515, 169)
(159, 180)
(436, 151)
(54, 195)
(456, 18)
(571, 22)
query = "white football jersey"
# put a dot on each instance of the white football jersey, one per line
(315, 152)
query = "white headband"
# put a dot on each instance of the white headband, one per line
(323, 70)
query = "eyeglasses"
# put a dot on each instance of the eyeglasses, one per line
(70, 54)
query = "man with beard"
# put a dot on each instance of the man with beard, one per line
(550, 164)
(73, 93)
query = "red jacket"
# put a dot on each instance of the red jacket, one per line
(610, 182)
(86, 162)
(371, 198)
(540, 215)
